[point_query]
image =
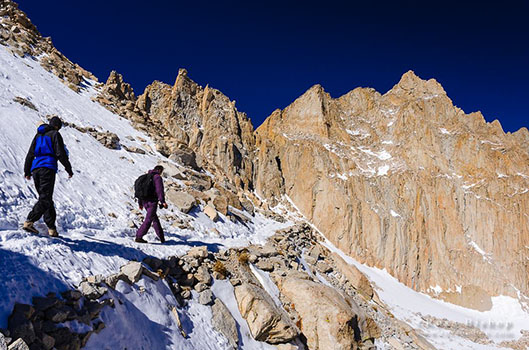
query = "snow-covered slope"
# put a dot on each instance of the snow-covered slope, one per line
(503, 323)
(94, 211)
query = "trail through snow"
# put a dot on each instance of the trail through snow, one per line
(94, 211)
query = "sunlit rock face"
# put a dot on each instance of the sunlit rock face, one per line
(205, 121)
(408, 182)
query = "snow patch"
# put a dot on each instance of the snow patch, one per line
(507, 314)
(394, 214)
(383, 170)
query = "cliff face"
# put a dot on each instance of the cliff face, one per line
(408, 182)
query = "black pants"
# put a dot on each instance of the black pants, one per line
(44, 182)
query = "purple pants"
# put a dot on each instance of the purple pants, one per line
(151, 218)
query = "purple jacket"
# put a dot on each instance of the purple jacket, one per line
(158, 187)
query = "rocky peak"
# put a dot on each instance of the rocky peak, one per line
(115, 86)
(184, 83)
(411, 85)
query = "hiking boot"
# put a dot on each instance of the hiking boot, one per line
(53, 232)
(140, 240)
(28, 226)
(162, 240)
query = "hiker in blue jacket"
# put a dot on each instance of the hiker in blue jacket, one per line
(41, 163)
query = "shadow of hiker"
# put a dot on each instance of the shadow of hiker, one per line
(212, 247)
(105, 248)
(20, 280)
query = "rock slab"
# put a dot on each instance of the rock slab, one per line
(266, 321)
(224, 323)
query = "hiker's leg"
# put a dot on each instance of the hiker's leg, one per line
(38, 209)
(48, 185)
(156, 225)
(142, 231)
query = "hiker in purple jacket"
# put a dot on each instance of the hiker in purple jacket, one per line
(151, 205)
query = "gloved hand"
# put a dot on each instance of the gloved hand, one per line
(163, 205)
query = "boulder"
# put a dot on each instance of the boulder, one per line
(265, 264)
(112, 280)
(224, 323)
(72, 295)
(65, 339)
(203, 275)
(205, 297)
(97, 279)
(91, 291)
(182, 200)
(153, 262)
(247, 205)
(185, 157)
(60, 313)
(171, 170)
(19, 324)
(210, 211)
(47, 341)
(133, 271)
(328, 320)
(198, 252)
(266, 321)
(107, 139)
(221, 204)
(357, 279)
(200, 287)
(133, 149)
(44, 303)
(152, 275)
(18, 344)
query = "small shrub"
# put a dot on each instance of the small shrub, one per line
(244, 257)
(220, 268)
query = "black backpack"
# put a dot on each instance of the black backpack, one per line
(144, 187)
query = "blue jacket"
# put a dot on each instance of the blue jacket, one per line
(45, 150)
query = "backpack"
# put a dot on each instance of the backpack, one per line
(144, 187)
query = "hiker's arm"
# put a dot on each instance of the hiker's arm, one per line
(158, 186)
(61, 154)
(29, 158)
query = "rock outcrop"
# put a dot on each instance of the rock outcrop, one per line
(22, 38)
(205, 121)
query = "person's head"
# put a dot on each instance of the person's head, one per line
(56, 123)
(158, 169)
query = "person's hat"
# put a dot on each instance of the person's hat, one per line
(56, 122)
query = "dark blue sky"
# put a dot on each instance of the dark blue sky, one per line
(264, 54)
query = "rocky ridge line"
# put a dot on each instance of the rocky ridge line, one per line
(20, 35)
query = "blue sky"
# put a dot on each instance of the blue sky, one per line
(265, 54)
